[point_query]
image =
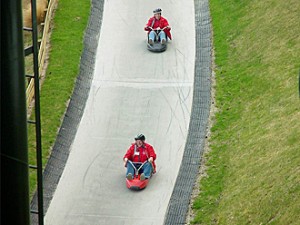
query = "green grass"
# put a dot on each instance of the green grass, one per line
(70, 22)
(253, 174)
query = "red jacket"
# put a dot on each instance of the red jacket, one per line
(143, 153)
(162, 23)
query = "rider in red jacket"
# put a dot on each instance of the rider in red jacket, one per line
(138, 153)
(158, 26)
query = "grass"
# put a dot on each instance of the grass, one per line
(253, 174)
(66, 46)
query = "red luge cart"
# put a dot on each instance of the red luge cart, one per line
(136, 183)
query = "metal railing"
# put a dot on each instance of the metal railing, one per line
(34, 81)
(42, 48)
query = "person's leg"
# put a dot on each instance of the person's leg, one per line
(152, 36)
(147, 170)
(130, 170)
(162, 37)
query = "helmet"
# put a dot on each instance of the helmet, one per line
(140, 137)
(158, 10)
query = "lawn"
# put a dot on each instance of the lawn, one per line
(253, 174)
(70, 22)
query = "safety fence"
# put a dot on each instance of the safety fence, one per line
(42, 49)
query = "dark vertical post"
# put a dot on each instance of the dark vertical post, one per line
(37, 114)
(14, 155)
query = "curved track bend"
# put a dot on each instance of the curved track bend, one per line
(132, 91)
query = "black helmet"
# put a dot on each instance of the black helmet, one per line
(140, 137)
(158, 10)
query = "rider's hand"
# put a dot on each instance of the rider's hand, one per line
(150, 160)
(158, 28)
(125, 162)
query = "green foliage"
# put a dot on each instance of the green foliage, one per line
(253, 167)
(66, 46)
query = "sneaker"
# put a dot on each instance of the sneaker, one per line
(150, 41)
(129, 176)
(163, 41)
(142, 177)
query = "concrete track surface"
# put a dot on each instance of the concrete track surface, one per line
(133, 91)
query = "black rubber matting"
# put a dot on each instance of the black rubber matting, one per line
(68, 129)
(189, 168)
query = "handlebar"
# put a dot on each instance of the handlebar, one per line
(137, 169)
(158, 29)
